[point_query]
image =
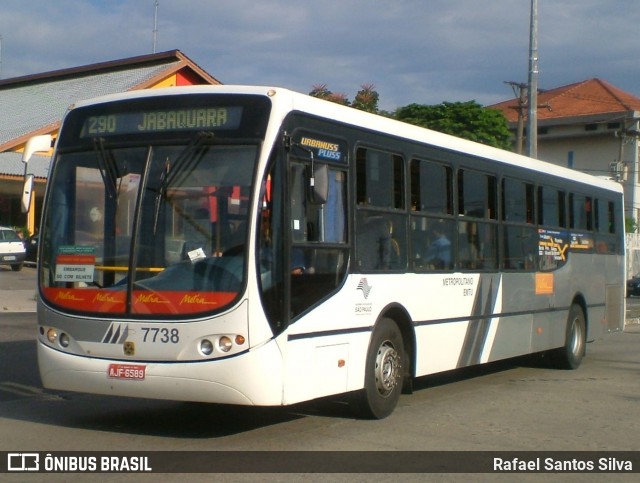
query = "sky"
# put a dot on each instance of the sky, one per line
(412, 51)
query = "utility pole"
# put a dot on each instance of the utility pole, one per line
(155, 26)
(520, 90)
(532, 121)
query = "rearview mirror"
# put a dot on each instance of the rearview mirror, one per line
(320, 184)
(37, 144)
(26, 192)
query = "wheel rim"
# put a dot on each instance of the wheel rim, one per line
(576, 337)
(387, 369)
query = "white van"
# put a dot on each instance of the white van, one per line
(12, 250)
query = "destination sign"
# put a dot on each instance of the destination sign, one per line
(154, 121)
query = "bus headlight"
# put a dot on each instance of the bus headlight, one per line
(220, 344)
(52, 335)
(64, 340)
(206, 347)
(224, 343)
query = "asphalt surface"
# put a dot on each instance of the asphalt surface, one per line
(18, 289)
(17, 300)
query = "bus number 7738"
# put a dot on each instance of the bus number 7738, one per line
(163, 335)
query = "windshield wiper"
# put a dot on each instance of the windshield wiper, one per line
(161, 193)
(183, 165)
(107, 164)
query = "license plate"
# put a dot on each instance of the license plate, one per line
(127, 371)
(9, 258)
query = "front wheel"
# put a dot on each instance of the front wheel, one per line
(571, 354)
(383, 373)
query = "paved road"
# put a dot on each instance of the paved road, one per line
(17, 289)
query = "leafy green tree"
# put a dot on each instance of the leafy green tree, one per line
(630, 225)
(467, 120)
(366, 99)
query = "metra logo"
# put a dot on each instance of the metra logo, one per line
(116, 334)
(365, 287)
(150, 299)
(67, 295)
(195, 299)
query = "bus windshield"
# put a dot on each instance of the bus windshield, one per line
(149, 226)
(150, 229)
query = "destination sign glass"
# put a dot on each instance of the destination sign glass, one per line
(162, 120)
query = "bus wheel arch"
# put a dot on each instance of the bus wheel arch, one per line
(386, 367)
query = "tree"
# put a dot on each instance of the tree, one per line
(322, 92)
(366, 99)
(467, 120)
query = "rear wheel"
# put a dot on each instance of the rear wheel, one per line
(16, 267)
(571, 354)
(383, 372)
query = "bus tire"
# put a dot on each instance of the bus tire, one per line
(384, 373)
(571, 354)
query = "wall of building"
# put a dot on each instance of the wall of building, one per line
(593, 152)
(591, 155)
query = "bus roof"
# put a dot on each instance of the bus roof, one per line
(285, 101)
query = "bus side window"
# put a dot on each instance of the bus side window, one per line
(432, 229)
(519, 242)
(380, 179)
(477, 237)
(381, 240)
(431, 188)
(611, 217)
(374, 243)
(551, 207)
(477, 194)
(580, 212)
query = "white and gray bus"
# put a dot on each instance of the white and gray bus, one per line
(255, 246)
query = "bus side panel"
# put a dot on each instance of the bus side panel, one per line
(321, 358)
(325, 366)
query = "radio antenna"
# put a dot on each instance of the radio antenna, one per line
(155, 26)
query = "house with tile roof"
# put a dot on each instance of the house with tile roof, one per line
(35, 104)
(590, 126)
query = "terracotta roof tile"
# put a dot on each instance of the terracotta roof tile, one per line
(586, 98)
